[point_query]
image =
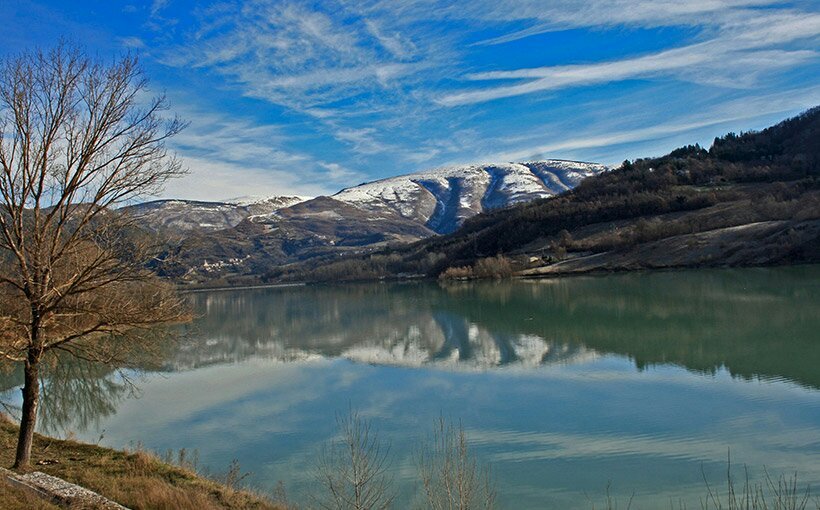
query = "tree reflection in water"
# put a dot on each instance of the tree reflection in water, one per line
(76, 394)
(754, 323)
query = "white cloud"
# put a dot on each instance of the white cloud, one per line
(398, 45)
(741, 52)
(338, 173)
(297, 55)
(733, 111)
(374, 81)
(157, 6)
(213, 180)
(562, 14)
(132, 42)
(363, 140)
(233, 156)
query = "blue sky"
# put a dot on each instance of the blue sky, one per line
(309, 97)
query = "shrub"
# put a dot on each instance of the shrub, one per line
(493, 267)
(457, 273)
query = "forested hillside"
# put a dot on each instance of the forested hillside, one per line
(750, 199)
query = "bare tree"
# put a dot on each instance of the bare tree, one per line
(78, 138)
(450, 475)
(353, 468)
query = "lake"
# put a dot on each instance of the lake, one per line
(641, 383)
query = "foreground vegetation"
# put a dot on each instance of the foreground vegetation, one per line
(138, 480)
(17, 499)
(79, 137)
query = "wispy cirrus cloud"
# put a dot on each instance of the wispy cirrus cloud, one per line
(560, 14)
(157, 6)
(620, 130)
(307, 96)
(346, 71)
(616, 137)
(747, 46)
(132, 42)
(230, 155)
(386, 87)
(296, 55)
(362, 140)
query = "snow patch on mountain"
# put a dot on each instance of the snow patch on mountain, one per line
(443, 198)
(399, 209)
(191, 215)
(274, 201)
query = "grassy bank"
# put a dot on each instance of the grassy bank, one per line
(138, 480)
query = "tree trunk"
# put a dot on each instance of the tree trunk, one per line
(28, 420)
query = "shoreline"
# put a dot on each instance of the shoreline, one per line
(133, 479)
(183, 290)
(534, 273)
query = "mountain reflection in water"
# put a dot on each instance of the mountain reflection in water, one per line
(755, 323)
(563, 385)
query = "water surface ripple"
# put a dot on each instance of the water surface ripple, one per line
(643, 382)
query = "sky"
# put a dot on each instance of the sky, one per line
(300, 97)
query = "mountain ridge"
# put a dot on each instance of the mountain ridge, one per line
(751, 199)
(215, 239)
(180, 216)
(444, 197)
(427, 196)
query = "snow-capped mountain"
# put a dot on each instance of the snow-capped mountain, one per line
(401, 331)
(247, 235)
(438, 200)
(263, 205)
(192, 215)
(442, 199)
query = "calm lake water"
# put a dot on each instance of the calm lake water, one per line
(642, 382)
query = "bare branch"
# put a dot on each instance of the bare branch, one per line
(353, 468)
(78, 137)
(450, 475)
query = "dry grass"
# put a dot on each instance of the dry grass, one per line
(138, 480)
(12, 498)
